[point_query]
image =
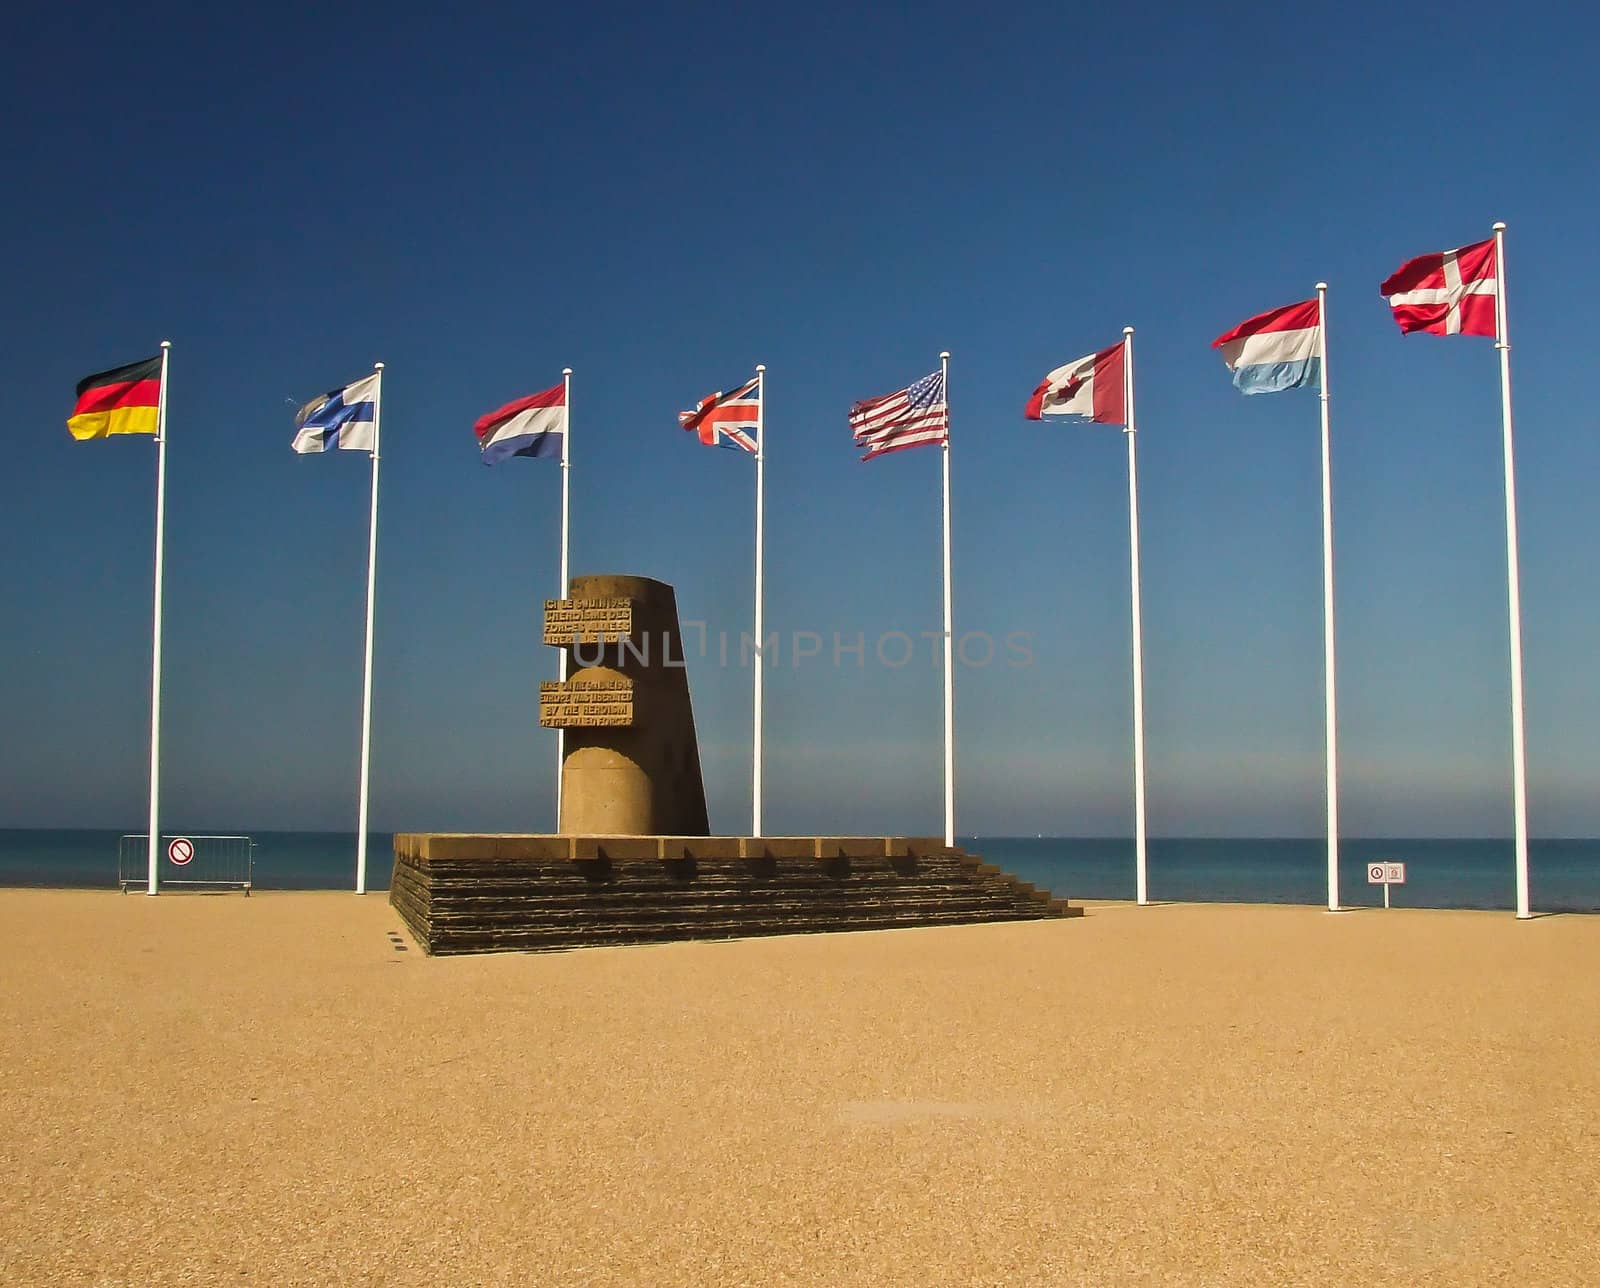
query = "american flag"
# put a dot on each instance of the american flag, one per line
(731, 417)
(909, 418)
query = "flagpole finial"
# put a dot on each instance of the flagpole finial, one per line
(1127, 330)
(760, 367)
(945, 356)
(166, 344)
(1500, 225)
(566, 371)
(1322, 286)
(377, 366)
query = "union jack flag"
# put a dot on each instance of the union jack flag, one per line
(910, 417)
(727, 420)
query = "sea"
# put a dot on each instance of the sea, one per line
(1475, 873)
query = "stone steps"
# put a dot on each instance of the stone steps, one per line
(485, 893)
(778, 908)
(546, 939)
(445, 910)
(638, 877)
(463, 894)
(473, 937)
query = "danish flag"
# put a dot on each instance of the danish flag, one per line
(731, 417)
(1450, 292)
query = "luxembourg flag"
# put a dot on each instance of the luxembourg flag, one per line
(1274, 351)
(531, 426)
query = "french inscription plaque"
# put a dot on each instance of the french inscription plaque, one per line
(586, 705)
(587, 621)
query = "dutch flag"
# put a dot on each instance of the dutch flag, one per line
(532, 426)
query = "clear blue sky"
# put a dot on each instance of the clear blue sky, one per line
(660, 197)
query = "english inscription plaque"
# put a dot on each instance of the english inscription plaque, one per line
(579, 705)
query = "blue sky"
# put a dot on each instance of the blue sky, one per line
(662, 197)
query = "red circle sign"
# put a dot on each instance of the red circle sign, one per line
(180, 850)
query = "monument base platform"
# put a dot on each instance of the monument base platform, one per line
(478, 893)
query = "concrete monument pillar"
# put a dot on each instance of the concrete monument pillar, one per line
(632, 764)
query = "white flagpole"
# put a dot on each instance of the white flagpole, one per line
(566, 532)
(155, 636)
(949, 632)
(1141, 881)
(761, 456)
(1329, 670)
(366, 679)
(1519, 754)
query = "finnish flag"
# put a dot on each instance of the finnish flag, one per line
(349, 414)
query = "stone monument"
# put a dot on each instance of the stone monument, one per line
(632, 861)
(631, 765)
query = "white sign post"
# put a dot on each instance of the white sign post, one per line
(1386, 875)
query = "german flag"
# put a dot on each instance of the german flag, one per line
(123, 400)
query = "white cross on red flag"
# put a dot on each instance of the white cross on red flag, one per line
(1449, 292)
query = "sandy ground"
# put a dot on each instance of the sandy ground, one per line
(283, 1089)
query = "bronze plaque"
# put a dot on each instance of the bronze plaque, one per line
(587, 621)
(575, 704)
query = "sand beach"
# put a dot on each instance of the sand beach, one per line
(283, 1089)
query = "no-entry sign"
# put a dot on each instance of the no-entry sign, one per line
(180, 850)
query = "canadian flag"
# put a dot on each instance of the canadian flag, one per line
(1450, 292)
(1090, 386)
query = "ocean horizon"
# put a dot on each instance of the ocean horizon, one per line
(1441, 872)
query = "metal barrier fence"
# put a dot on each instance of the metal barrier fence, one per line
(187, 860)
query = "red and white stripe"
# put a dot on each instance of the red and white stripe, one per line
(1449, 292)
(891, 424)
(1090, 386)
